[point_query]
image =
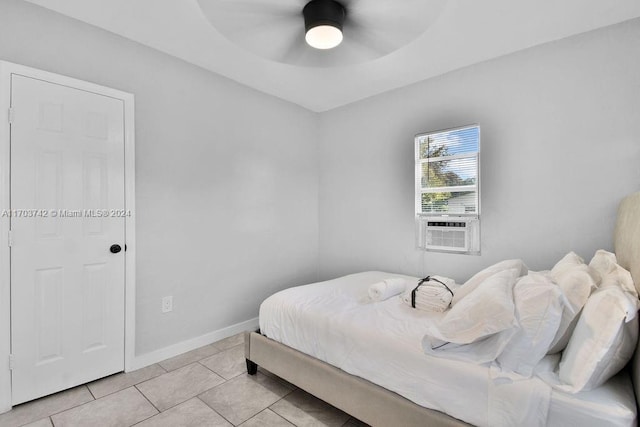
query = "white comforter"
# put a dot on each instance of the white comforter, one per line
(335, 322)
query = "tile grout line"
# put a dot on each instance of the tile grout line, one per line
(131, 385)
(92, 395)
(149, 417)
(214, 372)
(72, 407)
(218, 351)
(229, 421)
(179, 403)
(95, 400)
(292, 423)
(282, 398)
(147, 399)
(208, 406)
(190, 363)
(225, 379)
(236, 376)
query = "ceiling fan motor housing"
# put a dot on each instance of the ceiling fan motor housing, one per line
(323, 12)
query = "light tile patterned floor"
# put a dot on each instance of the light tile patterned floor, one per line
(208, 386)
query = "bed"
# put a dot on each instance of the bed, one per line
(336, 355)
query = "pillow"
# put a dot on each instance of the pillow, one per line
(606, 264)
(603, 342)
(570, 261)
(482, 351)
(576, 284)
(539, 307)
(471, 284)
(485, 311)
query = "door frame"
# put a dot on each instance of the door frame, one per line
(6, 70)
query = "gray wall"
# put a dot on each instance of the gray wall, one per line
(560, 130)
(226, 179)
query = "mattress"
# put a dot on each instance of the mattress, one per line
(334, 321)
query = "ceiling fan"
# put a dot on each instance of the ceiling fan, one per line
(350, 31)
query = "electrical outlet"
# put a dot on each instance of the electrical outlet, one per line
(167, 304)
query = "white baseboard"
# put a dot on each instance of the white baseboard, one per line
(159, 355)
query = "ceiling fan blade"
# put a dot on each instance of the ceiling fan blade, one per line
(273, 39)
(347, 53)
(235, 8)
(379, 26)
(353, 50)
(296, 51)
(349, 4)
(377, 41)
(263, 28)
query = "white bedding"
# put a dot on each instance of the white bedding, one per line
(335, 322)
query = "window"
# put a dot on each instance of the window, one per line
(448, 190)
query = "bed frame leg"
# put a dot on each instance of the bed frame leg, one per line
(252, 368)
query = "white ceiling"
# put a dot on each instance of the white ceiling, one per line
(466, 32)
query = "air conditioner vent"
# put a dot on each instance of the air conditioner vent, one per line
(454, 239)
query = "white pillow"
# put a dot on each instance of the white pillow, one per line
(603, 342)
(539, 307)
(570, 261)
(482, 351)
(606, 264)
(485, 311)
(471, 284)
(576, 284)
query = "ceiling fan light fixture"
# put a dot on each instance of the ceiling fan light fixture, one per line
(323, 21)
(324, 37)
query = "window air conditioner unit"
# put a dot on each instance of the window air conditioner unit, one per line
(449, 234)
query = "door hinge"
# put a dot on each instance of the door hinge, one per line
(11, 361)
(11, 115)
(10, 238)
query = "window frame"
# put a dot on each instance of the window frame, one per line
(420, 190)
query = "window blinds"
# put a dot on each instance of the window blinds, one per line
(447, 172)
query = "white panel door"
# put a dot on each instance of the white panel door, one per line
(67, 201)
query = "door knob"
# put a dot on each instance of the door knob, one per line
(115, 249)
